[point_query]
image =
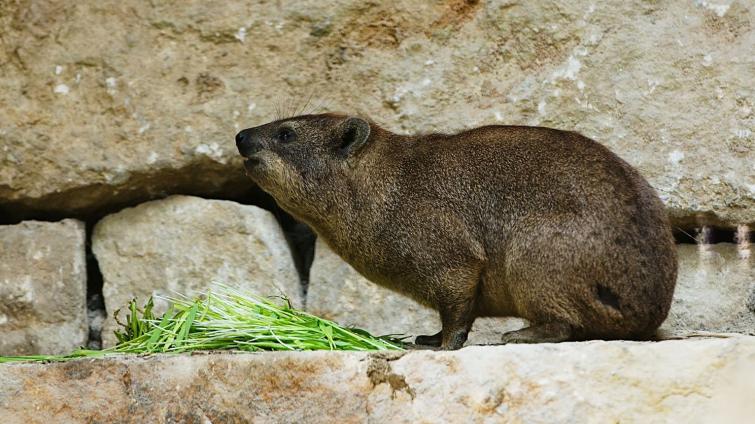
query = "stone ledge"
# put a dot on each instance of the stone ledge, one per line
(693, 380)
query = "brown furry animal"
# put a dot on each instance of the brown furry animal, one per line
(532, 222)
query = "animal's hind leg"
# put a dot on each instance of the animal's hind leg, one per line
(552, 332)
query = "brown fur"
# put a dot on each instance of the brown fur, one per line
(532, 222)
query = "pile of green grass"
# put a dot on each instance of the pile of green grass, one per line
(226, 319)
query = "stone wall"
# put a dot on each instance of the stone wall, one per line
(119, 177)
(110, 104)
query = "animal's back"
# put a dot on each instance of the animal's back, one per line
(568, 228)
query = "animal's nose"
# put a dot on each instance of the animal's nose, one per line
(240, 137)
(247, 143)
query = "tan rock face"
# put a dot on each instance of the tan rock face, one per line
(702, 380)
(713, 288)
(42, 288)
(121, 100)
(184, 244)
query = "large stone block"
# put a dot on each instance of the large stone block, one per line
(686, 381)
(712, 291)
(157, 91)
(340, 293)
(42, 287)
(673, 381)
(183, 244)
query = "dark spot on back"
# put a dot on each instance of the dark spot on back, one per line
(608, 297)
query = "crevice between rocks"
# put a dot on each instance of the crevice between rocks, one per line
(203, 178)
(713, 235)
(96, 313)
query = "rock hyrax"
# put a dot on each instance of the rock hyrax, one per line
(532, 222)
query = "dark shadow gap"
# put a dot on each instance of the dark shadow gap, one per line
(708, 235)
(96, 314)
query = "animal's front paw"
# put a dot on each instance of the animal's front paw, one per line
(434, 340)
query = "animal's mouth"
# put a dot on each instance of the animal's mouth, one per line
(252, 163)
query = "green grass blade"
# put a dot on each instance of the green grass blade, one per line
(227, 318)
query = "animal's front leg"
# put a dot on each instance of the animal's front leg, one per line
(456, 301)
(457, 318)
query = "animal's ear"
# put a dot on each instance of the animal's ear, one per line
(354, 135)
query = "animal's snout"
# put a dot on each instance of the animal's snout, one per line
(247, 143)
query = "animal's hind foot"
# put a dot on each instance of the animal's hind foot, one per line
(552, 332)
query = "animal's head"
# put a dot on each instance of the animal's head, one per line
(299, 160)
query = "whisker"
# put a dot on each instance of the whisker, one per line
(304, 108)
(323, 105)
(688, 234)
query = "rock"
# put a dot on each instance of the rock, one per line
(42, 287)
(698, 380)
(183, 244)
(224, 388)
(339, 293)
(121, 101)
(685, 381)
(488, 330)
(714, 284)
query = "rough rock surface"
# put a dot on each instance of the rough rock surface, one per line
(713, 288)
(690, 381)
(118, 100)
(183, 244)
(42, 287)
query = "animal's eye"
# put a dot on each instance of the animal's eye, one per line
(285, 135)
